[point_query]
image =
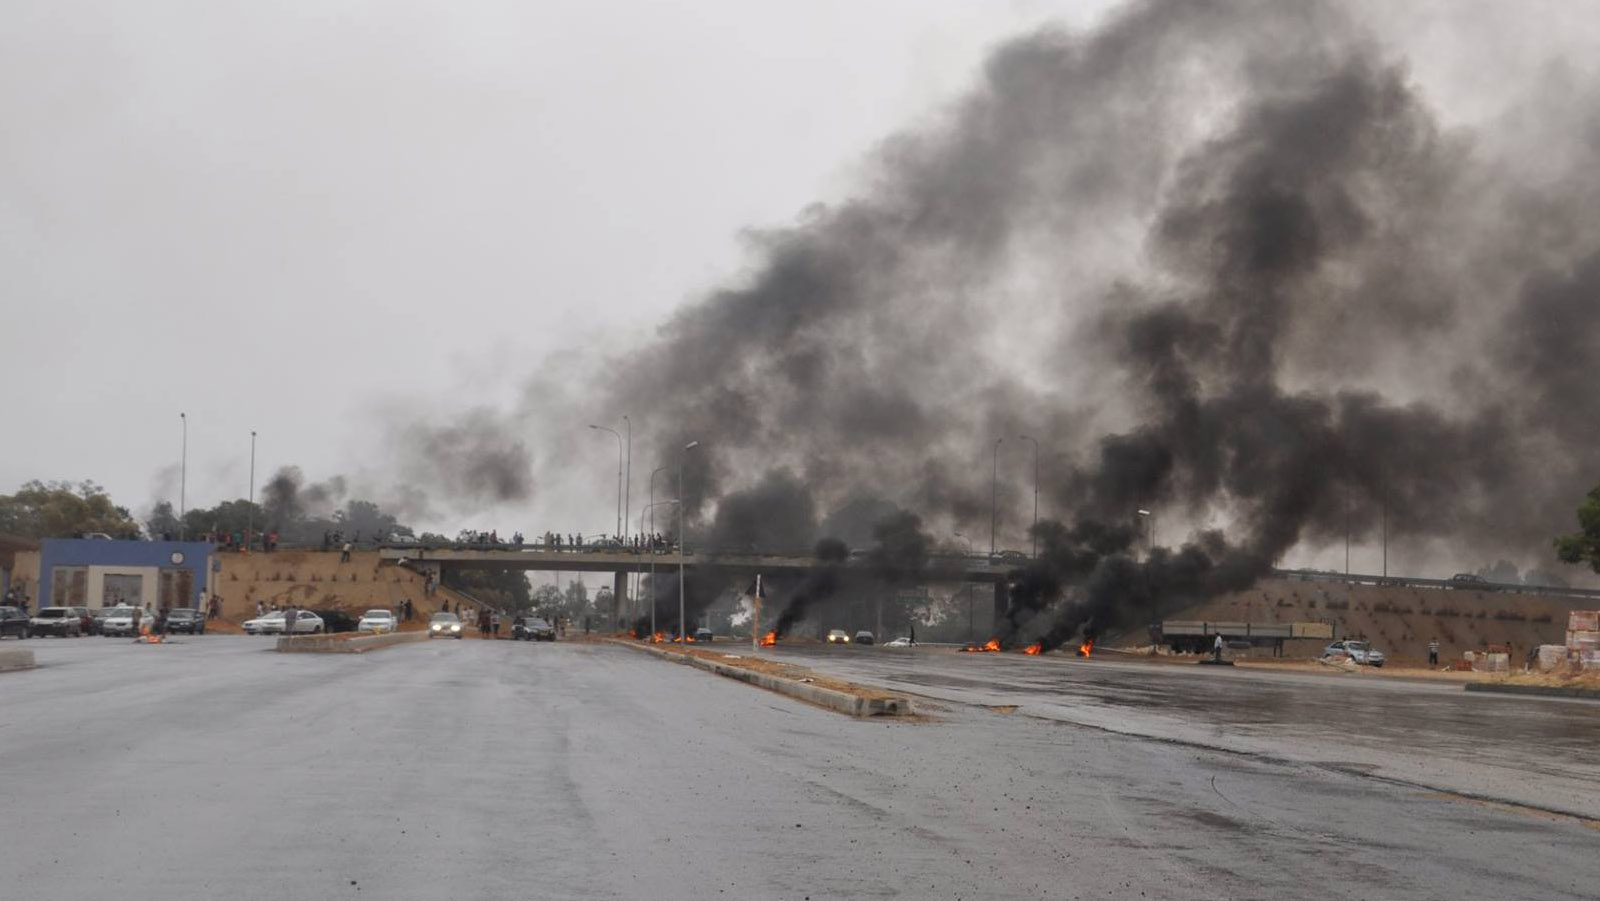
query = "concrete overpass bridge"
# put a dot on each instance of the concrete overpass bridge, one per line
(623, 562)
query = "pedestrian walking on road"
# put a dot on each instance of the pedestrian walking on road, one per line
(483, 623)
(1433, 652)
(1216, 648)
(344, 553)
(494, 624)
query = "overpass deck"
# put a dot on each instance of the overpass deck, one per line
(940, 568)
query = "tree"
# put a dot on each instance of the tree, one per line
(64, 510)
(1583, 546)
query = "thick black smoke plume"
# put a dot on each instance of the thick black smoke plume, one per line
(1223, 260)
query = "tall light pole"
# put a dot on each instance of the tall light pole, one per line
(651, 538)
(627, 496)
(615, 434)
(1149, 531)
(1034, 530)
(250, 509)
(183, 475)
(683, 634)
(994, 494)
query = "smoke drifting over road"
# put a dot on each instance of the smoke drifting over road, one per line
(1222, 259)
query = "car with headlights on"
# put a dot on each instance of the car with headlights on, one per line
(62, 622)
(185, 619)
(444, 625)
(121, 620)
(1360, 652)
(377, 621)
(838, 636)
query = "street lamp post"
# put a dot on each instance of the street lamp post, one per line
(994, 493)
(250, 508)
(617, 435)
(183, 475)
(649, 540)
(627, 496)
(683, 635)
(1035, 529)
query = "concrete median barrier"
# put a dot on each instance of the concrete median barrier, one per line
(336, 644)
(16, 659)
(1537, 691)
(841, 701)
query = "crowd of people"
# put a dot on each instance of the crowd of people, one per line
(638, 543)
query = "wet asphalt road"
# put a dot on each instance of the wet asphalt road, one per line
(471, 769)
(1518, 749)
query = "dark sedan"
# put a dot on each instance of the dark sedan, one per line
(13, 622)
(185, 619)
(532, 629)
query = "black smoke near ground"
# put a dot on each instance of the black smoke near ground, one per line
(1223, 260)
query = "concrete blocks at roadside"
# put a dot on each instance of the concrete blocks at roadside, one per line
(330, 644)
(1541, 691)
(843, 702)
(16, 659)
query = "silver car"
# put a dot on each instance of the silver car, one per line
(377, 621)
(1362, 652)
(122, 620)
(444, 625)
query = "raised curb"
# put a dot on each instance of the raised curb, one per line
(17, 659)
(1546, 691)
(327, 644)
(839, 701)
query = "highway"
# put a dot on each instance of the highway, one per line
(1521, 750)
(212, 767)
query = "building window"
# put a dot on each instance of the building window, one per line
(69, 586)
(177, 587)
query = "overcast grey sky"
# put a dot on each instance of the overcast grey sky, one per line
(273, 216)
(294, 217)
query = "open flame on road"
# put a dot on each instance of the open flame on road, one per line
(1034, 650)
(989, 647)
(1086, 649)
(769, 639)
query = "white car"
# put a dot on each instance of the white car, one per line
(1361, 652)
(444, 625)
(898, 643)
(122, 620)
(305, 622)
(377, 621)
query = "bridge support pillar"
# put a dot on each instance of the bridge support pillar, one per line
(1002, 598)
(619, 595)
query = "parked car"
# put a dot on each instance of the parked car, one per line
(901, 642)
(533, 629)
(838, 636)
(335, 620)
(444, 625)
(273, 623)
(186, 619)
(97, 619)
(865, 637)
(62, 622)
(121, 620)
(13, 622)
(1362, 652)
(703, 634)
(377, 621)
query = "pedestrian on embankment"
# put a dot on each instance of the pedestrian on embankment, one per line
(1433, 652)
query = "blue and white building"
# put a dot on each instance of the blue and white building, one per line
(94, 573)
